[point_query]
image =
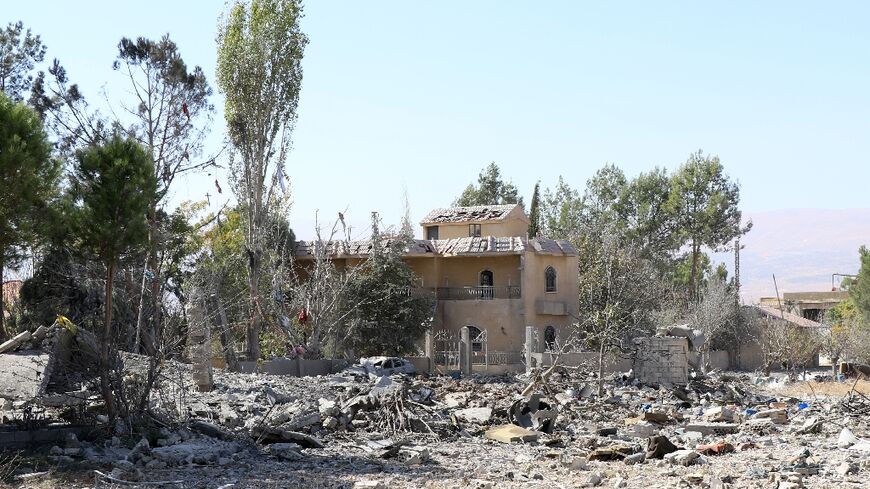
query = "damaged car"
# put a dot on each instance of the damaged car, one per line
(380, 366)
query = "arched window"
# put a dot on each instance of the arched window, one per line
(550, 279)
(474, 336)
(550, 338)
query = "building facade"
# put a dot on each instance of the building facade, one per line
(485, 273)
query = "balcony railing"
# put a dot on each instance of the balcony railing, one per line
(478, 293)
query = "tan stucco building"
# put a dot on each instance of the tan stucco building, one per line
(485, 273)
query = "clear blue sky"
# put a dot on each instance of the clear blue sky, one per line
(424, 94)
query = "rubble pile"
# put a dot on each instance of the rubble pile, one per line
(402, 430)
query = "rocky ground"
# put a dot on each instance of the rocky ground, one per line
(726, 430)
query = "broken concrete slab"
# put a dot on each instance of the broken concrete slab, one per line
(479, 415)
(15, 342)
(24, 375)
(277, 435)
(713, 428)
(779, 416)
(509, 433)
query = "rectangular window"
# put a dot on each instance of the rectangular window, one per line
(431, 232)
(474, 230)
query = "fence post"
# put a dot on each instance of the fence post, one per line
(429, 347)
(199, 341)
(465, 351)
(530, 346)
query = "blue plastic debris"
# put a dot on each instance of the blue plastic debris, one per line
(803, 405)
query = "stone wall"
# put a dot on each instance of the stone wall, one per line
(662, 359)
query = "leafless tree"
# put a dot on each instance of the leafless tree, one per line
(619, 290)
(711, 312)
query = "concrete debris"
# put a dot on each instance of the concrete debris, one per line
(510, 433)
(533, 413)
(683, 457)
(15, 342)
(479, 415)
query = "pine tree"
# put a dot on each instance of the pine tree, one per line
(28, 180)
(114, 185)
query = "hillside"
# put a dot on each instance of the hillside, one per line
(803, 247)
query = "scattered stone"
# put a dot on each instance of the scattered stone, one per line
(594, 479)
(778, 416)
(659, 446)
(635, 458)
(286, 451)
(707, 429)
(682, 457)
(846, 468)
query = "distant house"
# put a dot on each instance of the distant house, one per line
(485, 273)
(809, 305)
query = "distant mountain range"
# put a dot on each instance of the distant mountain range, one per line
(803, 247)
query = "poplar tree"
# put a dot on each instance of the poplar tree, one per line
(259, 71)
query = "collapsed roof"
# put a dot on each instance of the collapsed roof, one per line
(477, 246)
(478, 213)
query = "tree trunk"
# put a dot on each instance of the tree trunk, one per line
(253, 332)
(140, 313)
(155, 330)
(601, 370)
(226, 336)
(694, 276)
(105, 384)
(2, 301)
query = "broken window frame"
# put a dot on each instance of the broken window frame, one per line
(474, 230)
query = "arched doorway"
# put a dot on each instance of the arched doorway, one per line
(474, 333)
(550, 338)
(486, 282)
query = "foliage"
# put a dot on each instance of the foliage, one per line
(113, 185)
(218, 248)
(859, 289)
(387, 319)
(644, 212)
(260, 48)
(490, 190)
(28, 179)
(535, 212)
(19, 52)
(561, 211)
(786, 345)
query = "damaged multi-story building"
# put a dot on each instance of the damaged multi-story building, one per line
(486, 273)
